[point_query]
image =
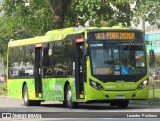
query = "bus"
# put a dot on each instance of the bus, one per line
(79, 65)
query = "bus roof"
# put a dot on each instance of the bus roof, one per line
(79, 30)
(59, 34)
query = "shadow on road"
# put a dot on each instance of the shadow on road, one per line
(93, 106)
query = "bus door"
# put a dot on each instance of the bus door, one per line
(37, 70)
(80, 71)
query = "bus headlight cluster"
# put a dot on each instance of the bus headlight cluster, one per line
(143, 84)
(96, 85)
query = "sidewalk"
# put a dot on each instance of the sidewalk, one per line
(145, 102)
(4, 96)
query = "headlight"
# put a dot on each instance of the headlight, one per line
(143, 84)
(96, 85)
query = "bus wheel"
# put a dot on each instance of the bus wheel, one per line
(68, 98)
(123, 104)
(36, 102)
(26, 100)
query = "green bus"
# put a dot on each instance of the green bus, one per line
(79, 65)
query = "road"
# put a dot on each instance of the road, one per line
(84, 112)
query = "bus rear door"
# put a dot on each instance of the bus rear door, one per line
(37, 70)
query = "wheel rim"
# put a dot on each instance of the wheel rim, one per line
(69, 96)
(25, 96)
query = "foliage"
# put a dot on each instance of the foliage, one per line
(154, 91)
(29, 18)
(99, 13)
(4, 34)
(148, 10)
(156, 67)
(3, 88)
(24, 21)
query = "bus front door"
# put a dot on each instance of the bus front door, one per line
(80, 71)
(37, 71)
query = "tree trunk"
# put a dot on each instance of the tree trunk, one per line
(59, 8)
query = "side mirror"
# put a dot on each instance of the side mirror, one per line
(152, 57)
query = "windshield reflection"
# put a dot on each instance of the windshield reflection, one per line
(117, 59)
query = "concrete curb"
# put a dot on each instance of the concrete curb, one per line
(145, 103)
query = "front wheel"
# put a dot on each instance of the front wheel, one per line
(68, 98)
(26, 100)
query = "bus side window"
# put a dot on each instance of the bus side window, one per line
(45, 57)
(45, 61)
(51, 55)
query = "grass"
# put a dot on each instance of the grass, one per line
(154, 92)
(3, 89)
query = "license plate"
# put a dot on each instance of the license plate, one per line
(120, 97)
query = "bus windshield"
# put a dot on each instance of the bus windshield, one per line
(118, 59)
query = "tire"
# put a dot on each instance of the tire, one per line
(68, 98)
(26, 100)
(123, 104)
(120, 104)
(36, 102)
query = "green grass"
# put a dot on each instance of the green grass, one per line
(3, 89)
(154, 92)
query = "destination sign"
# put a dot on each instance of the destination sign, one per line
(115, 35)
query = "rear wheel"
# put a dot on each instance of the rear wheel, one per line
(26, 100)
(68, 98)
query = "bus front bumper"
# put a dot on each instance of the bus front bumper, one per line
(94, 94)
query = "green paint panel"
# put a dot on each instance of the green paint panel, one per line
(15, 87)
(53, 88)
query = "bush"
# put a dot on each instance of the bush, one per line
(3, 88)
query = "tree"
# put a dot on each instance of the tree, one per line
(59, 9)
(28, 20)
(147, 10)
(99, 13)
(123, 13)
(153, 13)
(5, 27)
(21, 20)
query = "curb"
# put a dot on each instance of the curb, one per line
(145, 103)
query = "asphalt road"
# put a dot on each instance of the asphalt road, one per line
(50, 110)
